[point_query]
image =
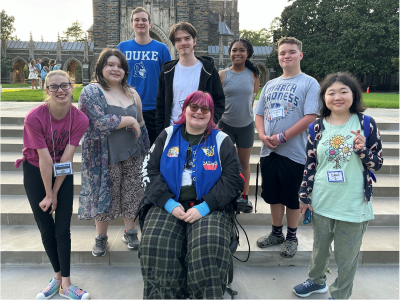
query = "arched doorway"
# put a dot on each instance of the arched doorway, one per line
(18, 70)
(74, 69)
(263, 73)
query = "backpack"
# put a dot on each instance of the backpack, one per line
(43, 73)
(367, 121)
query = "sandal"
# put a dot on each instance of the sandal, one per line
(289, 249)
(270, 240)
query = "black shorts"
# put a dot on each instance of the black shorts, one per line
(243, 137)
(150, 121)
(281, 180)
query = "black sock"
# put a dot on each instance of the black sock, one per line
(277, 231)
(291, 234)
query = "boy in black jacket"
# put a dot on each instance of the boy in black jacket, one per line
(180, 78)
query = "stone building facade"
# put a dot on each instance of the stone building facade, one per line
(216, 21)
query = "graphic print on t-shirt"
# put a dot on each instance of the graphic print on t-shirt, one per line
(280, 100)
(339, 150)
(60, 142)
(140, 70)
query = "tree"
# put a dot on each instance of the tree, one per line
(6, 65)
(74, 33)
(261, 37)
(7, 27)
(358, 36)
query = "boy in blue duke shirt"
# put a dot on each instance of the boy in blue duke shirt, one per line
(145, 57)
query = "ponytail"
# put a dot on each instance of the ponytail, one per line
(252, 68)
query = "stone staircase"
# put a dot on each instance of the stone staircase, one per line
(21, 242)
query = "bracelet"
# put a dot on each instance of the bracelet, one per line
(278, 138)
(284, 137)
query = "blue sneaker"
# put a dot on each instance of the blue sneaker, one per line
(308, 287)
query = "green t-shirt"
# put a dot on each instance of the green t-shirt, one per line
(342, 201)
(188, 192)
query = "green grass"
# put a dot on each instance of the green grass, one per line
(373, 100)
(16, 85)
(381, 100)
(32, 95)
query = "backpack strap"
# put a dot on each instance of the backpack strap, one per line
(367, 121)
(367, 132)
(311, 131)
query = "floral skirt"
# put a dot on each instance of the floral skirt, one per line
(126, 189)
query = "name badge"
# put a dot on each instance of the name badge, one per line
(335, 176)
(186, 177)
(276, 113)
(61, 169)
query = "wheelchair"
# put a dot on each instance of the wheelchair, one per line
(239, 205)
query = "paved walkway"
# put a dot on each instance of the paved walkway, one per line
(20, 109)
(120, 282)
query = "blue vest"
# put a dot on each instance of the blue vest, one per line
(206, 164)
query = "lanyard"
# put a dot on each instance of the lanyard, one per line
(69, 134)
(193, 153)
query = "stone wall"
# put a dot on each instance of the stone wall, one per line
(232, 15)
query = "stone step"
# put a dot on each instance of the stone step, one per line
(13, 130)
(389, 149)
(21, 245)
(386, 212)
(387, 185)
(8, 159)
(10, 120)
(16, 144)
(11, 184)
(390, 166)
(16, 210)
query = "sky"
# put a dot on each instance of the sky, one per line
(47, 18)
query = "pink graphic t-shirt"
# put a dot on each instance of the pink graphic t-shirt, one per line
(37, 133)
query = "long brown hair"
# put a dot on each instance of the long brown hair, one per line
(101, 63)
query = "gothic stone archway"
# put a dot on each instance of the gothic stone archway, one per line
(18, 73)
(73, 67)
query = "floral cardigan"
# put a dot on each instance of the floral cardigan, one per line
(370, 155)
(95, 195)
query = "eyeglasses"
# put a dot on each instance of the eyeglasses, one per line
(54, 87)
(194, 107)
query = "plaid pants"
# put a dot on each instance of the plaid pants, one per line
(181, 260)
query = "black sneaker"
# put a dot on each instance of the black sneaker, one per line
(99, 248)
(130, 238)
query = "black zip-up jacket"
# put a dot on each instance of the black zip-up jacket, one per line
(209, 82)
(225, 190)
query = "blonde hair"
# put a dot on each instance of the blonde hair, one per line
(54, 73)
(290, 40)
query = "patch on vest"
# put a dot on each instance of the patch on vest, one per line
(173, 152)
(209, 151)
(210, 166)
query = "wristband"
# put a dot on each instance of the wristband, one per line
(284, 137)
(278, 138)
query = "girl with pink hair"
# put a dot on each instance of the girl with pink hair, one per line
(191, 175)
